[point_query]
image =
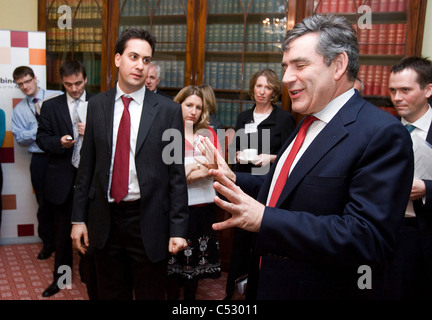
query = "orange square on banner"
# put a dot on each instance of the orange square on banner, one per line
(37, 57)
(15, 101)
(9, 202)
(8, 140)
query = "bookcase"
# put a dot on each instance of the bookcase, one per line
(81, 40)
(223, 42)
(391, 35)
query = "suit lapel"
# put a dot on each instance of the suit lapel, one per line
(148, 114)
(109, 100)
(429, 134)
(64, 114)
(327, 139)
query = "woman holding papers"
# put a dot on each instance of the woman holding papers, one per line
(200, 259)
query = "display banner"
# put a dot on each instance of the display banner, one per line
(19, 221)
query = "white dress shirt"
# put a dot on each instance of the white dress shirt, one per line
(135, 109)
(324, 116)
(71, 103)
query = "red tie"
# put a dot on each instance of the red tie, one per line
(283, 175)
(120, 174)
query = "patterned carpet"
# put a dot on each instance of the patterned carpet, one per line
(23, 277)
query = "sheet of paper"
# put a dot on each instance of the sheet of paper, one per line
(200, 191)
(422, 158)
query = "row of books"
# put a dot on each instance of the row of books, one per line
(169, 37)
(80, 9)
(172, 73)
(382, 39)
(345, 6)
(92, 66)
(234, 75)
(152, 7)
(250, 6)
(232, 37)
(86, 39)
(228, 110)
(375, 79)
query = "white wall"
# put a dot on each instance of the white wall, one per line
(427, 34)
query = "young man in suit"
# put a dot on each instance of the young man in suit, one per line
(25, 122)
(337, 213)
(410, 277)
(60, 130)
(135, 218)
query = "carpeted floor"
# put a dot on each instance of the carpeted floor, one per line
(23, 277)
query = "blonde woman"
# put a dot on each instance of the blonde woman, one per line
(200, 259)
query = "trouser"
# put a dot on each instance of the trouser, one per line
(63, 242)
(45, 216)
(123, 268)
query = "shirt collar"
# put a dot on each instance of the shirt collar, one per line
(138, 95)
(423, 123)
(40, 95)
(71, 100)
(334, 106)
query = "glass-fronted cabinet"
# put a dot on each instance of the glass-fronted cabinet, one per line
(74, 31)
(382, 29)
(242, 37)
(167, 20)
(223, 42)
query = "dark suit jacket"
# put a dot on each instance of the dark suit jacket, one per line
(163, 93)
(163, 205)
(339, 209)
(55, 122)
(424, 217)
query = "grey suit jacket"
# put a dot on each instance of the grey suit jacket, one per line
(163, 205)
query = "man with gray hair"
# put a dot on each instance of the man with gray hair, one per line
(154, 78)
(327, 212)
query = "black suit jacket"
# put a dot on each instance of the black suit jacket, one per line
(339, 209)
(163, 203)
(54, 123)
(280, 123)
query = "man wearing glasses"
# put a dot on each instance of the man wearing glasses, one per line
(24, 127)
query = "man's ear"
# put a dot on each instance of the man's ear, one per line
(341, 65)
(117, 58)
(428, 89)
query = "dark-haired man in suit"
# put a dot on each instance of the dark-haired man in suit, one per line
(410, 277)
(61, 128)
(133, 218)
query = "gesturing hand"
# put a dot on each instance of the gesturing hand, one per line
(246, 212)
(213, 159)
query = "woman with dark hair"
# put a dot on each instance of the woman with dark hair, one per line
(265, 90)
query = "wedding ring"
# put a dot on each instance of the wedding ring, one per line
(199, 165)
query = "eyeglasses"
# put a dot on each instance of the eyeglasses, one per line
(20, 84)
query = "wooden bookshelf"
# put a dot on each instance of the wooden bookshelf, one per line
(394, 24)
(222, 42)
